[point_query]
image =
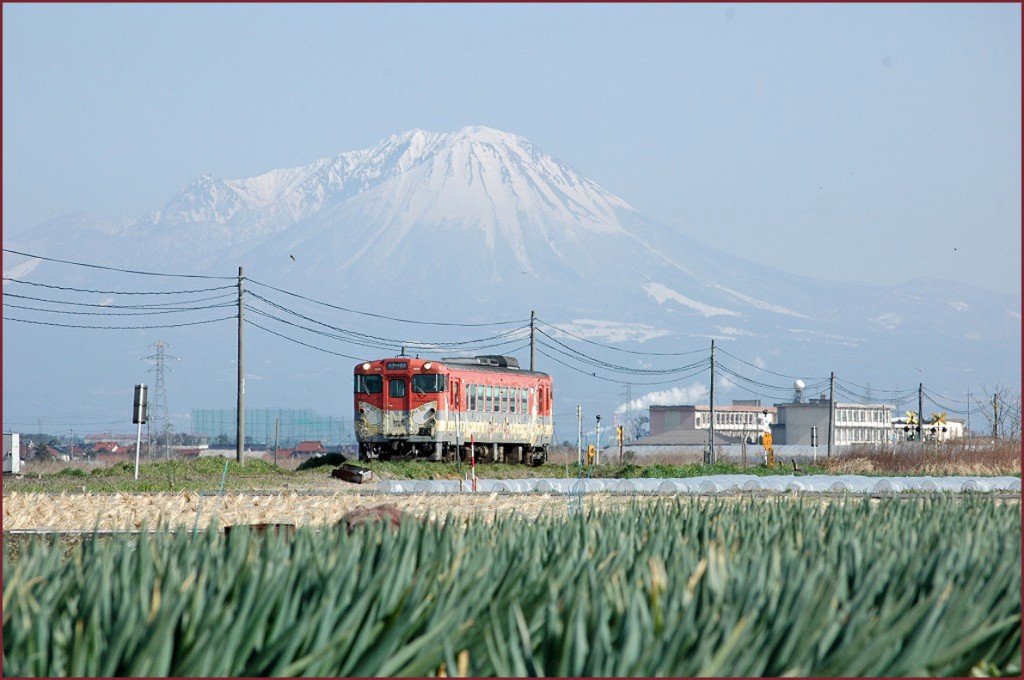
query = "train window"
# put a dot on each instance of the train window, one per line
(479, 397)
(513, 397)
(487, 404)
(369, 384)
(504, 399)
(524, 395)
(428, 382)
(497, 400)
(396, 388)
(472, 397)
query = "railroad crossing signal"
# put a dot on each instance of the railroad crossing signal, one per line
(591, 452)
(618, 434)
(938, 422)
(911, 417)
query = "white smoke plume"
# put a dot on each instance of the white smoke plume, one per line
(677, 395)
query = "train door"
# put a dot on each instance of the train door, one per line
(535, 399)
(397, 406)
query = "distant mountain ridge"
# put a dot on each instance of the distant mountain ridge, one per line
(480, 224)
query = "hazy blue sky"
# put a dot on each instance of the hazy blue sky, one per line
(863, 142)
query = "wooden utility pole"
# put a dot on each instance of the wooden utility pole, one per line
(240, 416)
(277, 422)
(533, 326)
(709, 457)
(831, 411)
(920, 410)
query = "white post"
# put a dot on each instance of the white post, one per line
(138, 443)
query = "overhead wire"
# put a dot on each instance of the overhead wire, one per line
(153, 305)
(382, 316)
(118, 292)
(620, 349)
(115, 269)
(383, 340)
(121, 328)
(760, 368)
(621, 382)
(132, 313)
(592, 361)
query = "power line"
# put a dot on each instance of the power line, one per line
(624, 382)
(134, 313)
(119, 328)
(116, 269)
(101, 305)
(250, 322)
(117, 292)
(619, 349)
(781, 375)
(383, 339)
(597, 363)
(383, 316)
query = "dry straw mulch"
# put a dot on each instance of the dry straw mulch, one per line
(125, 511)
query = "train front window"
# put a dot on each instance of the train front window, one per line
(369, 384)
(428, 382)
(396, 387)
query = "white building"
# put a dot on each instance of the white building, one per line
(743, 419)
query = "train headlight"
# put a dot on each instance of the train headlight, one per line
(426, 366)
(366, 366)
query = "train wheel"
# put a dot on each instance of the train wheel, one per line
(538, 456)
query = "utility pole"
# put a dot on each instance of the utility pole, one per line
(533, 326)
(709, 456)
(579, 434)
(277, 422)
(240, 414)
(920, 409)
(968, 433)
(995, 416)
(831, 411)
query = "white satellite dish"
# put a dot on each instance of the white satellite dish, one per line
(798, 391)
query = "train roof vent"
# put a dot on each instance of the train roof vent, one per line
(484, 360)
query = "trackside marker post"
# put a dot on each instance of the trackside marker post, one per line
(472, 459)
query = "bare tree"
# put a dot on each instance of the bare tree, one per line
(1000, 409)
(639, 427)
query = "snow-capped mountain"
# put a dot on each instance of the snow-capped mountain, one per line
(479, 225)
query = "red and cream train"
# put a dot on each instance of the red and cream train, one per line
(417, 408)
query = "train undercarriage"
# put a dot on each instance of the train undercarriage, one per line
(493, 452)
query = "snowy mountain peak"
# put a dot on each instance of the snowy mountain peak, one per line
(477, 177)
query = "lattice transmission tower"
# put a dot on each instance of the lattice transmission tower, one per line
(159, 422)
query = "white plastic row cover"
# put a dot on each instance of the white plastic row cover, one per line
(711, 484)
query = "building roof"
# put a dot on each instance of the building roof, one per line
(309, 446)
(684, 438)
(707, 407)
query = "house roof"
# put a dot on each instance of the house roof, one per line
(309, 446)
